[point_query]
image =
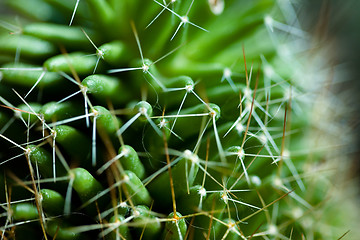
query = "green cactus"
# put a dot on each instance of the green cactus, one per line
(129, 119)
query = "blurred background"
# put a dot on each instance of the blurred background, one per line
(336, 22)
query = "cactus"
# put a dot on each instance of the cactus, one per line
(129, 119)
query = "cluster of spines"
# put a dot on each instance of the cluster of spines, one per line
(170, 191)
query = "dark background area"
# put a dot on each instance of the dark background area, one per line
(337, 21)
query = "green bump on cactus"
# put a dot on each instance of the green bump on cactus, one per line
(105, 120)
(214, 207)
(176, 228)
(75, 61)
(130, 161)
(192, 202)
(44, 162)
(144, 109)
(122, 231)
(114, 52)
(135, 189)
(127, 110)
(52, 202)
(74, 142)
(31, 47)
(28, 111)
(71, 37)
(85, 184)
(183, 175)
(54, 111)
(230, 230)
(106, 88)
(146, 225)
(60, 230)
(24, 74)
(24, 211)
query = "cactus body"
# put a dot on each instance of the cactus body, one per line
(155, 119)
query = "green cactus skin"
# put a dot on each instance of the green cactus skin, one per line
(174, 119)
